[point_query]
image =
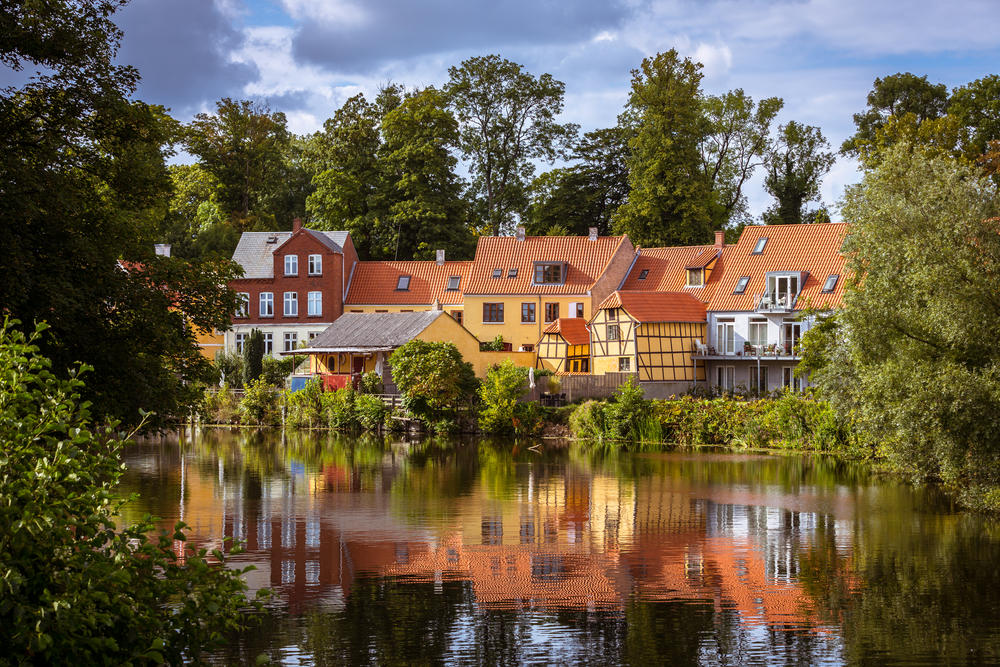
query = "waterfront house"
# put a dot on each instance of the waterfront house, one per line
(565, 346)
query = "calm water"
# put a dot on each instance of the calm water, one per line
(480, 553)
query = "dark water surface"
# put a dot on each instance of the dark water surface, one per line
(437, 552)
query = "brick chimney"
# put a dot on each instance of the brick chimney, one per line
(520, 234)
(720, 239)
(592, 233)
(440, 257)
(296, 225)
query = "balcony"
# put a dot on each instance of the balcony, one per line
(776, 302)
(782, 351)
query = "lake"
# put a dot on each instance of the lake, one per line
(451, 552)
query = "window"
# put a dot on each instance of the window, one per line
(492, 312)
(624, 364)
(788, 379)
(831, 282)
(291, 341)
(782, 291)
(759, 248)
(454, 282)
(585, 365)
(315, 307)
(612, 314)
(741, 286)
(241, 341)
(758, 379)
(312, 335)
(551, 312)
(527, 348)
(725, 340)
(456, 315)
(403, 283)
(315, 265)
(527, 312)
(512, 273)
(614, 333)
(577, 309)
(725, 377)
(758, 331)
(242, 304)
(268, 343)
(643, 274)
(497, 273)
(696, 277)
(291, 304)
(291, 265)
(547, 274)
(267, 304)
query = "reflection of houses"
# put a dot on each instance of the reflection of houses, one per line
(565, 346)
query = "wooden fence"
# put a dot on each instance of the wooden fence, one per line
(574, 387)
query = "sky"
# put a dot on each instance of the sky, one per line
(305, 57)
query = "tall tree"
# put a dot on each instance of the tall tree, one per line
(670, 202)
(508, 119)
(896, 95)
(976, 107)
(795, 168)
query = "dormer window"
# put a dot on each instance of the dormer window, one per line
(497, 273)
(643, 274)
(512, 273)
(831, 282)
(291, 265)
(696, 277)
(759, 248)
(741, 286)
(550, 273)
(454, 282)
(403, 283)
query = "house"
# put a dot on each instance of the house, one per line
(758, 311)
(694, 270)
(565, 346)
(652, 335)
(293, 285)
(518, 285)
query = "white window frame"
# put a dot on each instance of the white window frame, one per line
(314, 307)
(266, 304)
(725, 337)
(758, 384)
(241, 342)
(291, 337)
(624, 364)
(268, 343)
(725, 377)
(789, 381)
(291, 265)
(315, 265)
(755, 326)
(618, 332)
(243, 304)
(290, 304)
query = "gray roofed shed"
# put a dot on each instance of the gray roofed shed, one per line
(254, 253)
(371, 332)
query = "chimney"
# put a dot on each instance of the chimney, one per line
(162, 249)
(720, 239)
(296, 225)
(520, 234)
(592, 233)
(440, 257)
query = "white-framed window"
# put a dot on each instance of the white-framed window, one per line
(725, 377)
(315, 304)
(454, 282)
(788, 379)
(291, 304)
(614, 333)
(241, 342)
(758, 331)
(403, 283)
(291, 265)
(758, 379)
(696, 277)
(291, 341)
(267, 304)
(624, 364)
(315, 265)
(268, 343)
(725, 337)
(242, 304)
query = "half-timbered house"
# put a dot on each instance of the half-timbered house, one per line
(565, 346)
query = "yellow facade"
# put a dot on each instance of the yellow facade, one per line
(558, 356)
(210, 342)
(612, 354)
(513, 330)
(656, 351)
(456, 311)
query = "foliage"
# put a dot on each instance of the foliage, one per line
(260, 404)
(219, 407)
(624, 414)
(276, 371)
(507, 120)
(370, 412)
(498, 393)
(495, 345)
(253, 356)
(371, 383)
(433, 377)
(338, 408)
(75, 588)
(230, 368)
(305, 407)
(896, 95)
(795, 167)
(586, 422)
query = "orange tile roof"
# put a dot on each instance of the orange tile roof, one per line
(573, 329)
(375, 283)
(814, 248)
(667, 270)
(586, 260)
(657, 306)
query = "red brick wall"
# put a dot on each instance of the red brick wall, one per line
(613, 275)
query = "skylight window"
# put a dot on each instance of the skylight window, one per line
(497, 273)
(831, 282)
(512, 273)
(643, 274)
(454, 282)
(403, 283)
(741, 286)
(759, 248)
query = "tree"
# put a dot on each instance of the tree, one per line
(916, 367)
(504, 384)
(432, 376)
(976, 108)
(83, 192)
(896, 95)
(508, 119)
(669, 203)
(253, 356)
(795, 168)
(76, 587)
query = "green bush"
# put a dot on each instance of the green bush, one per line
(338, 409)
(260, 404)
(276, 371)
(371, 383)
(76, 587)
(528, 418)
(253, 356)
(624, 413)
(433, 377)
(220, 406)
(587, 421)
(498, 395)
(230, 367)
(370, 412)
(495, 345)
(305, 407)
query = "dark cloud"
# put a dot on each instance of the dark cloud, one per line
(401, 29)
(181, 48)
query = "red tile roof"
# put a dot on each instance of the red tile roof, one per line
(375, 283)
(586, 260)
(573, 329)
(657, 306)
(813, 248)
(667, 270)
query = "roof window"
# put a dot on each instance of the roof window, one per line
(403, 283)
(512, 273)
(547, 273)
(741, 286)
(497, 273)
(454, 282)
(643, 274)
(831, 282)
(759, 248)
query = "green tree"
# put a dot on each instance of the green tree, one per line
(896, 95)
(507, 118)
(253, 356)
(795, 168)
(433, 377)
(498, 393)
(75, 586)
(669, 202)
(976, 108)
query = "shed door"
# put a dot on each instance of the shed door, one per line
(358, 364)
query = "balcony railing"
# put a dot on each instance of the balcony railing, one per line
(781, 350)
(776, 302)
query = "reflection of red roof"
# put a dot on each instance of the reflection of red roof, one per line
(666, 269)
(657, 306)
(573, 329)
(585, 260)
(375, 283)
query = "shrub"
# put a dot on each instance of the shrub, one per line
(260, 404)
(253, 356)
(495, 345)
(623, 415)
(276, 371)
(305, 407)
(527, 419)
(498, 393)
(230, 367)
(433, 378)
(587, 421)
(338, 408)
(220, 407)
(370, 412)
(371, 383)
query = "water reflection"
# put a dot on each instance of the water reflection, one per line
(438, 551)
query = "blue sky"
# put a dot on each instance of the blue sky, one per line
(305, 57)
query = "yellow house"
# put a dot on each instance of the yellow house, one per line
(403, 287)
(519, 285)
(565, 346)
(651, 334)
(210, 342)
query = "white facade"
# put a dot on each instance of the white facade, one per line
(280, 333)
